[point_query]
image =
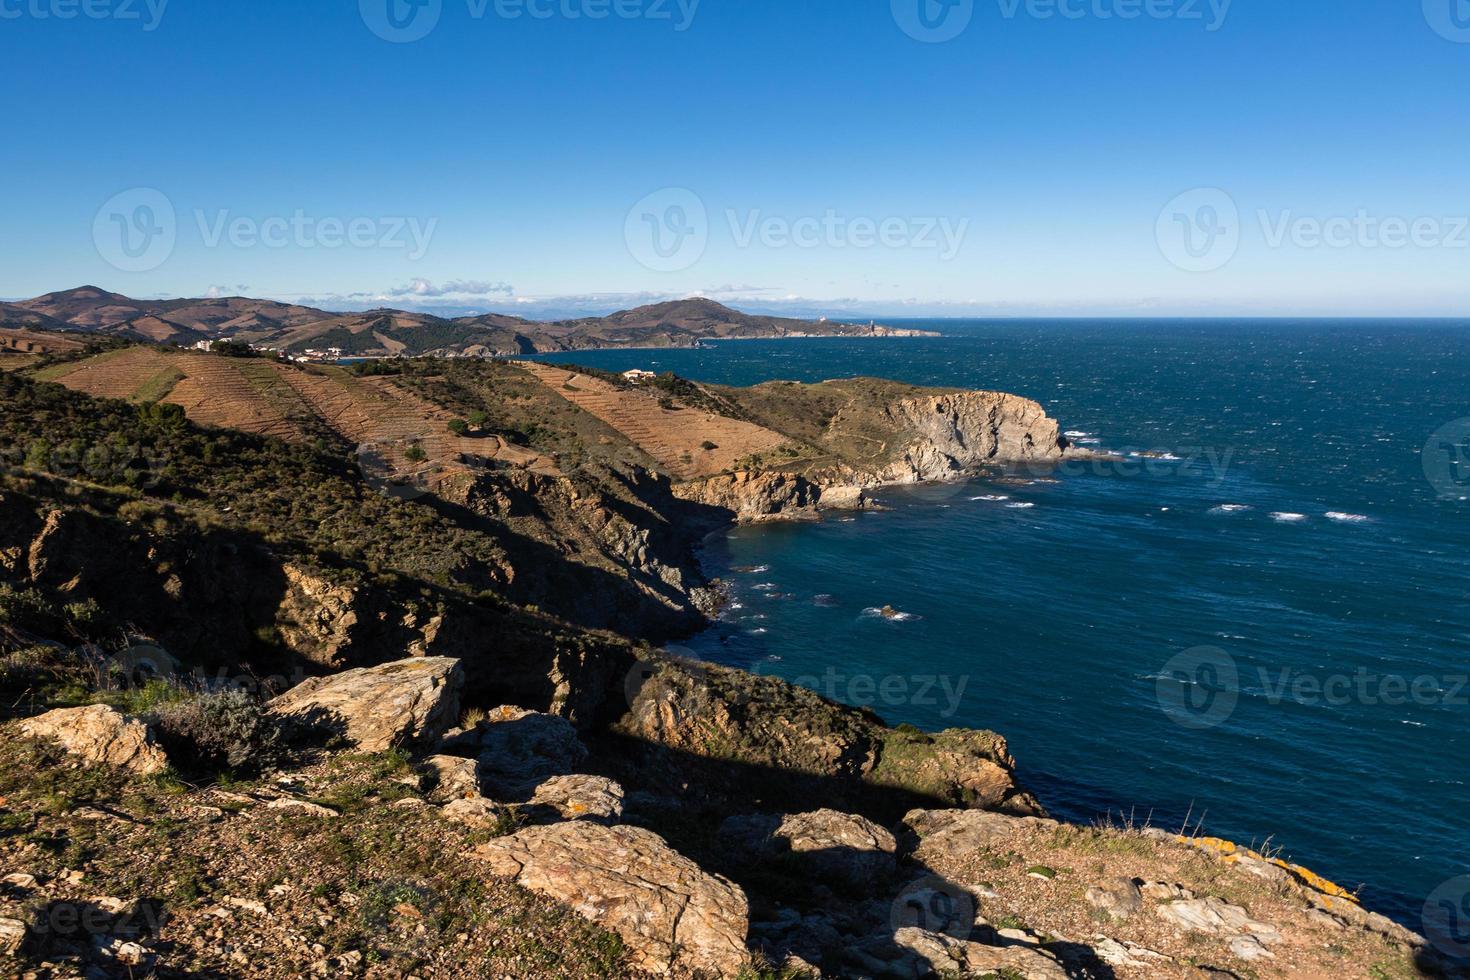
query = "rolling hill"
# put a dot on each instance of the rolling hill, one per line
(383, 332)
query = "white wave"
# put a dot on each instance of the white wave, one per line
(1230, 508)
(892, 615)
(1287, 517)
(764, 586)
(993, 497)
(1021, 506)
(737, 605)
(758, 631)
(1346, 518)
(1076, 434)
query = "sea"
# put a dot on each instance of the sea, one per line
(1252, 621)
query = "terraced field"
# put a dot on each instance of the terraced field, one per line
(679, 439)
(406, 438)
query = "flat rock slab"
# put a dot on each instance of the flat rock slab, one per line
(377, 708)
(100, 734)
(835, 846)
(671, 914)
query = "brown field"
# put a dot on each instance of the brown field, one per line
(290, 402)
(32, 342)
(675, 438)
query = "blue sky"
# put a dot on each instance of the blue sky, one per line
(1053, 157)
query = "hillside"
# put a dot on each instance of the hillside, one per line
(172, 520)
(387, 332)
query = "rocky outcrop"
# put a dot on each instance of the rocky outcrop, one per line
(670, 914)
(828, 845)
(576, 797)
(752, 497)
(376, 708)
(965, 430)
(518, 749)
(100, 734)
(722, 732)
(317, 617)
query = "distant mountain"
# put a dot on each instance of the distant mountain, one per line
(682, 323)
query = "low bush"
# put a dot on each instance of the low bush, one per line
(218, 729)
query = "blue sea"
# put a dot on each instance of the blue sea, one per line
(1257, 624)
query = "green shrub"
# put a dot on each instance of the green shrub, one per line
(219, 729)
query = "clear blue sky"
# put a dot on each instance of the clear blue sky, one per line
(1048, 146)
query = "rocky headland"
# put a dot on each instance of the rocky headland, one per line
(279, 711)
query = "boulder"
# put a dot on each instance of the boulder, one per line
(450, 777)
(576, 797)
(100, 734)
(378, 708)
(1215, 917)
(477, 812)
(925, 954)
(519, 749)
(839, 847)
(669, 913)
(1118, 897)
(935, 834)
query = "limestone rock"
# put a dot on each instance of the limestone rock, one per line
(476, 811)
(377, 708)
(12, 936)
(831, 845)
(928, 953)
(577, 797)
(100, 734)
(941, 833)
(307, 807)
(451, 777)
(1214, 917)
(1119, 897)
(518, 748)
(671, 914)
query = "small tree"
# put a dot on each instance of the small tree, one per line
(478, 419)
(415, 454)
(459, 426)
(707, 446)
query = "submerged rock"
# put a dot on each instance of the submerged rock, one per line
(671, 914)
(100, 734)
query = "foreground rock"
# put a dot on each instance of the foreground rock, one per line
(627, 880)
(730, 735)
(98, 733)
(839, 847)
(377, 708)
(576, 797)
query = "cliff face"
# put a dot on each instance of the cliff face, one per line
(928, 437)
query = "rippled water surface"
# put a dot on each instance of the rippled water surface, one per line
(1294, 535)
